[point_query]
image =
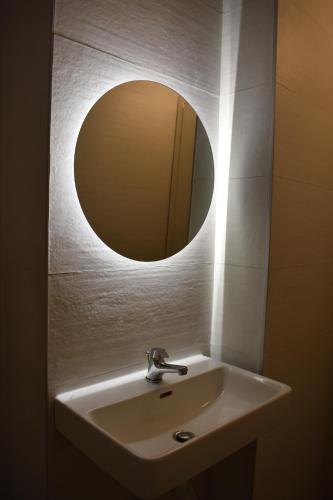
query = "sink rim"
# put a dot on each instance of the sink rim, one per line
(71, 398)
(116, 381)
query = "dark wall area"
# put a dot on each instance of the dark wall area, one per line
(24, 132)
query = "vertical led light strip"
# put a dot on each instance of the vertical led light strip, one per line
(231, 26)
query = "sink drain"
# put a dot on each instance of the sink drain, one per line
(183, 436)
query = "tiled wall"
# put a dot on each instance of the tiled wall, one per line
(247, 83)
(104, 310)
(299, 339)
(101, 303)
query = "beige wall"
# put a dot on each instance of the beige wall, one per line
(299, 335)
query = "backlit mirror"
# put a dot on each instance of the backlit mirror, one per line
(144, 170)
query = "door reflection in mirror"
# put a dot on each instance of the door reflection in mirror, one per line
(144, 170)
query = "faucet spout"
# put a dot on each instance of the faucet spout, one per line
(171, 368)
(157, 366)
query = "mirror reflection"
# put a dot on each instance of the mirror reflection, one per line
(144, 170)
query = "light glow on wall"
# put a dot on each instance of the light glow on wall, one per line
(88, 279)
(121, 380)
(71, 103)
(231, 27)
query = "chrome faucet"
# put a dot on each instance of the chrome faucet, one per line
(157, 366)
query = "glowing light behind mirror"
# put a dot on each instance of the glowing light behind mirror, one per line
(69, 108)
(65, 129)
(80, 77)
(64, 132)
(70, 105)
(144, 170)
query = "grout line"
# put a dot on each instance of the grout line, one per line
(250, 177)
(110, 269)
(278, 267)
(303, 97)
(269, 84)
(309, 16)
(284, 85)
(305, 183)
(240, 266)
(183, 265)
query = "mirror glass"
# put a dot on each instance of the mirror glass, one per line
(144, 170)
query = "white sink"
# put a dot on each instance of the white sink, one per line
(126, 424)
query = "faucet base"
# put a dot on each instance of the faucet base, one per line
(154, 380)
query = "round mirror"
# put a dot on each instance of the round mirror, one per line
(144, 170)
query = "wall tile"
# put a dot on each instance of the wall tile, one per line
(252, 132)
(248, 222)
(296, 450)
(243, 317)
(247, 55)
(104, 321)
(228, 5)
(321, 12)
(247, 99)
(302, 231)
(299, 121)
(175, 37)
(300, 303)
(303, 52)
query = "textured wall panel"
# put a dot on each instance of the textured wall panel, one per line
(248, 222)
(103, 321)
(243, 317)
(247, 95)
(100, 302)
(105, 309)
(247, 51)
(180, 38)
(252, 132)
(80, 76)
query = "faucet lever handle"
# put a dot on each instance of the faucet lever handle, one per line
(157, 353)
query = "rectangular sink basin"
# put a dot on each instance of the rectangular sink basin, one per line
(127, 425)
